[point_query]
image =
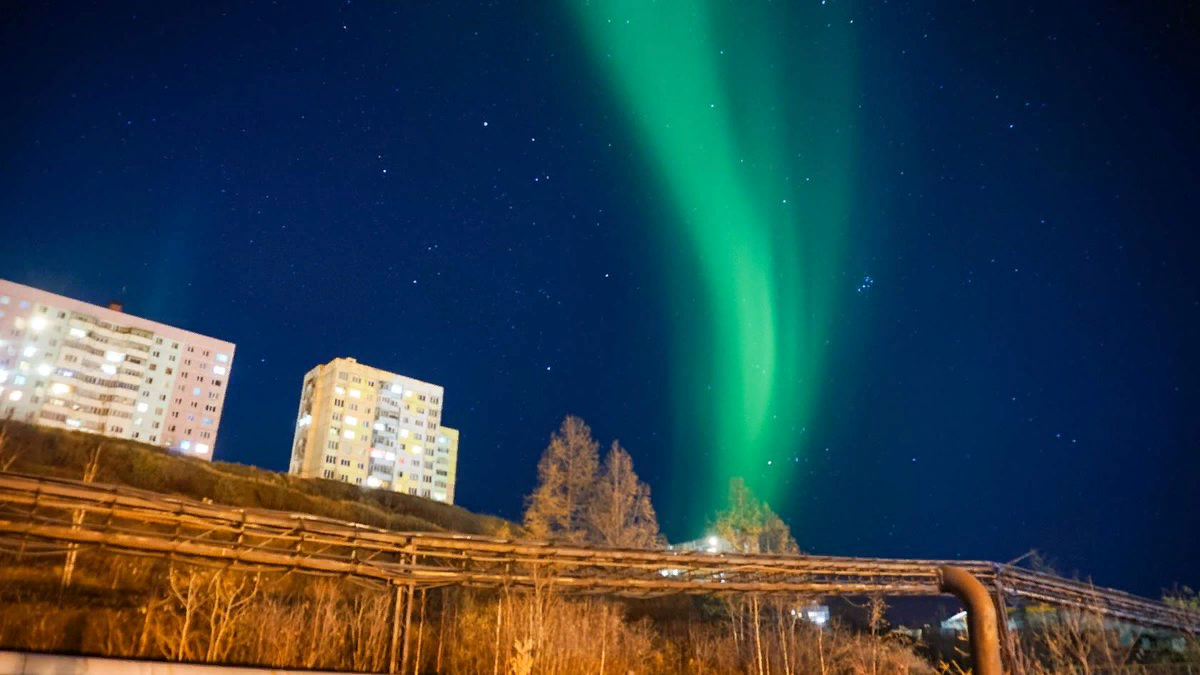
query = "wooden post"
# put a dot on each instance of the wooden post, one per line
(407, 626)
(420, 634)
(395, 637)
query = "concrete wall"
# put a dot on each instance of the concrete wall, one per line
(22, 663)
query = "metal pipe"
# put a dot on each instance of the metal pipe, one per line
(982, 628)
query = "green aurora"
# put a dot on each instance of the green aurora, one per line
(744, 112)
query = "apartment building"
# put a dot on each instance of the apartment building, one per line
(370, 427)
(70, 364)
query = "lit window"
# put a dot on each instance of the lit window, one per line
(37, 323)
(396, 389)
(376, 454)
(439, 496)
(15, 396)
(195, 391)
(306, 420)
(408, 394)
(73, 424)
(351, 420)
(404, 433)
(354, 393)
(347, 434)
(44, 369)
(3, 299)
(378, 425)
(391, 456)
(3, 376)
(108, 368)
(59, 388)
(223, 358)
(218, 370)
(340, 391)
(373, 482)
(185, 444)
(142, 407)
(78, 332)
(114, 356)
(201, 448)
(29, 351)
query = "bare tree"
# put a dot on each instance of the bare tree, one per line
(620, 514)
(566, 474)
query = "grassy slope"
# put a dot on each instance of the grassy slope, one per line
(64, 454)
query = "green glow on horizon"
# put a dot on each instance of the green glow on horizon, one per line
(747, 122)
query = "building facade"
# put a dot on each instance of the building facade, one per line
(73, 365)
(370, 427)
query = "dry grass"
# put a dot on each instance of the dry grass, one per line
(66, 454)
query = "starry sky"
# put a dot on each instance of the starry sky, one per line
(923, 272)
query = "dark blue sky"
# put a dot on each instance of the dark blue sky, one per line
(316, 179)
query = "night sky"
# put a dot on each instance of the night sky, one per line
(925, 273)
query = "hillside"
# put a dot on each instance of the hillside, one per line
(65, 454)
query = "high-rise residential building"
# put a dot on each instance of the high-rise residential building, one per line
(369, 427)
(70, 364)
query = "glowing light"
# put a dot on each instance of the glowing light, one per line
(108, 369)
(186, 445)
(78, 332)
(201, 448)
(340, 391)
(142, 407)
(15, 395)
(59, 388)
(37, 323)
(354, 393)
(74, 424)
(115, 357)
(219, 370)
(29, 351)
(396, 389)
(729, 135)
(373, 482)
(351, 420)
(347, 434)
(44, 370)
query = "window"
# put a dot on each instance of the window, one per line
(217, 383)
(223, 358)
(339, 403)
(328, 473)
(343, 376)
(354, 393)
(332, 445)
(218, 370)
(427, 479)
(345, 462)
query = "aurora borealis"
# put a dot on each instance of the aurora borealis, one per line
(748, 128)
(657, 215)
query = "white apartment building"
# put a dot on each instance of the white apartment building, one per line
(370, 427)
(70, 364)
